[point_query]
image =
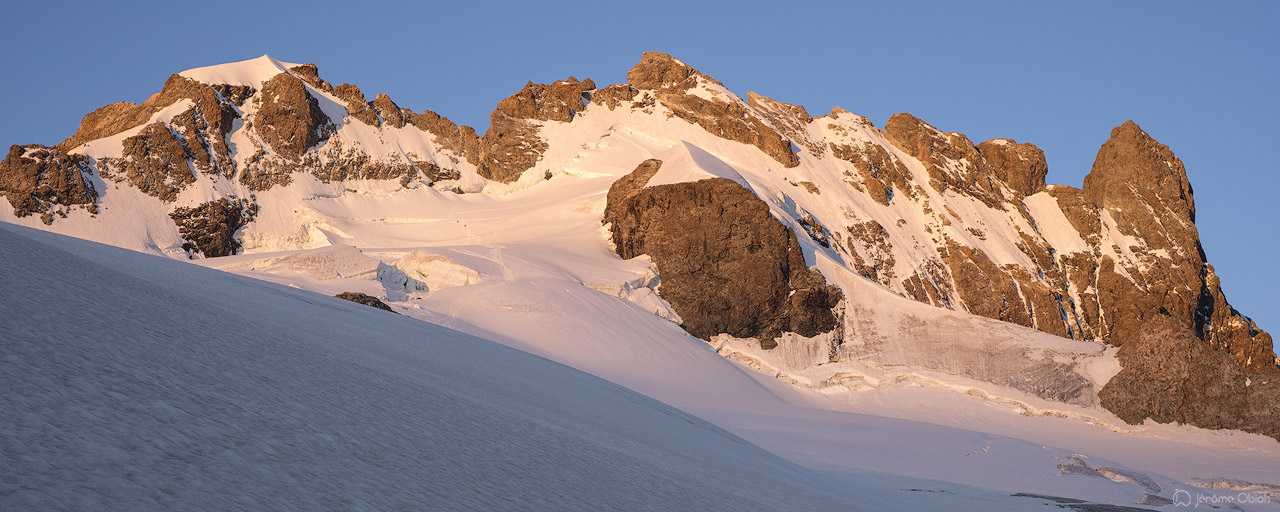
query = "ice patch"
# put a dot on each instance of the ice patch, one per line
(417, 274)
(335, 262)
(643, 292)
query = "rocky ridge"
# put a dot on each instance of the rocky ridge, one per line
(925, 213)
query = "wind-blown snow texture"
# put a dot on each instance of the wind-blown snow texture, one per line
(132, 384)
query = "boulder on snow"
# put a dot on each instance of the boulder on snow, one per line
(368, 300)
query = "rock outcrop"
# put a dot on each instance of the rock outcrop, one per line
(671, 79)
(342, 163)
(462, 141)
(154, 161)
(1169, 375)
(210, 228)
(161, 157)
(214, 104)
(512, 145)
(1194, 359)
(1020, 166)
(727, 266)
(789, 120)
(875, 239)
(952, 161)
(1144, 281)
(558, 101)
(46, 181)
(290, 119)
(1138, 185)
(366, 299)
(882, 175)
(509, 147)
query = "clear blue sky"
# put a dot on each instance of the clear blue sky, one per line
(1198, 76)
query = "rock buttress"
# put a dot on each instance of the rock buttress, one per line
(1169, 375)
(1021, 166)
(1188, 356)
(210, 228)
(952, 161)
(512, 145)
(670, 80)
(290, 120)
(44, 181)
(727, 266)
(1142, 188)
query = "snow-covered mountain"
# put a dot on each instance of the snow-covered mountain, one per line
(853, 267)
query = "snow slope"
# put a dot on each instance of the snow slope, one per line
(133, 383)
(139, 383)
(250, 72)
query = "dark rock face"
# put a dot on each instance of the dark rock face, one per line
(434, 172)
(880, 171)
(210, 228)
(670, 79)
(727, 265)
(205, 146)
(953, 162)
(159, 160)
(658, 70)
(628, 187)
(236, 94)
(615, 95)
(391, 113)
(154, 161)
(1171, 376)
(462, 141)
(310, 73)
(872, 236)
(1143, 188)
(1188, 356)
(215, 105)
(290, 120)
(1192, 354)
(512, 145)
(1194, 358)
(1021, 166)
(357, 106)
(262, 173)
(343, 164)
(789, 120)
(368, 300)
(45, 181)
(558, 101)
(1137, 185)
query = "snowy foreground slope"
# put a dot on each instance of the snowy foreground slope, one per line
(133, 382)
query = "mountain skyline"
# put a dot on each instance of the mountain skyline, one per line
(319, 257)
(1187, 74)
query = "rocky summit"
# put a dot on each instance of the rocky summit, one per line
(757, 220)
